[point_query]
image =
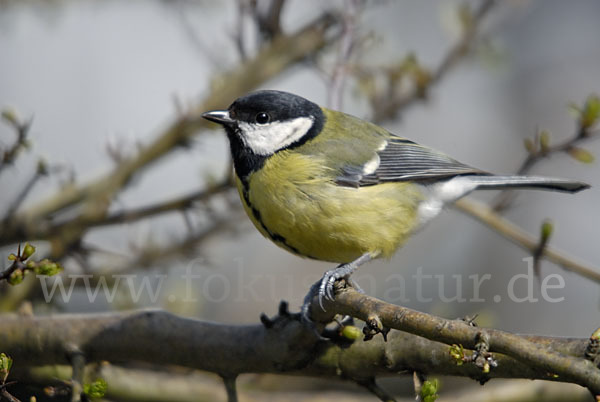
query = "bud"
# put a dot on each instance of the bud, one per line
(351, 332)
(422, 79)
(96, 390)
(529, 145)
(5, 364)
(544, 141)
(16, 277)
(590, 112)
(429, 390)
(42, 167)
(10, 116)
(574, 110)
(546, 230)
(457, 353)
(48, 268)
(582, 155)
(28, 250)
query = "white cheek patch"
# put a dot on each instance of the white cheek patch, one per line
(266, 139)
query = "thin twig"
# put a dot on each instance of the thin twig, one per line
(6, 395)
(16, 264)
(22, 131)
(78, 363)
(4, 275)
(40, 172)
(394, 105)
(230, 387)
(505, 198)
(512, 232)
(346, 45)
(545, 234)
(376, 390)
(269, 22)
(176, 204)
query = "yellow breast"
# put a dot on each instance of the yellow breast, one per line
(293, 201)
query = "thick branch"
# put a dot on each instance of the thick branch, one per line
(286, 346)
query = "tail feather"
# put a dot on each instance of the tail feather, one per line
(533, 182)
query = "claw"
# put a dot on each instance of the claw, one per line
(324, 288)
(321, 302)
(329, 288)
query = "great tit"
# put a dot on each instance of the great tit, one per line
(329, 186)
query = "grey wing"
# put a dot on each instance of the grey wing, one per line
(403, 160)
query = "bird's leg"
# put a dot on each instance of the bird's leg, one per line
(324, 287)
(342, 271)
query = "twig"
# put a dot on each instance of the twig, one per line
(505, 198)
(22, 130)
(6, 395)
(418, 380)
(376, 390)
(545, 234)
(18, 263)
(572, 369)
(41, 171)
(176, 204)
(512, 232)
(4, 275)
(393, 105)
(196, 40)
(78, 364)
(186, 246)
(229, 382)
(243, 9)
(346, 45)
(135, 384)
(269, 22)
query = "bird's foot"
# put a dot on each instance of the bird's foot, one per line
(324, 288)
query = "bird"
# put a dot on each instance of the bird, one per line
(329, 186)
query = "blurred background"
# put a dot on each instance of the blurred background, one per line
(102, 78)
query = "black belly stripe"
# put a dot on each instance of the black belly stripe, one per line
(274, 236)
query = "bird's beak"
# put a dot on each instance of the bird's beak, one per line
(219, 116)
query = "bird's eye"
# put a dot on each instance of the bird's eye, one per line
(262, 118)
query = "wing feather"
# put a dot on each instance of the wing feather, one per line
(403, 160)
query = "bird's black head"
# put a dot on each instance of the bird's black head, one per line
(265, 122)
